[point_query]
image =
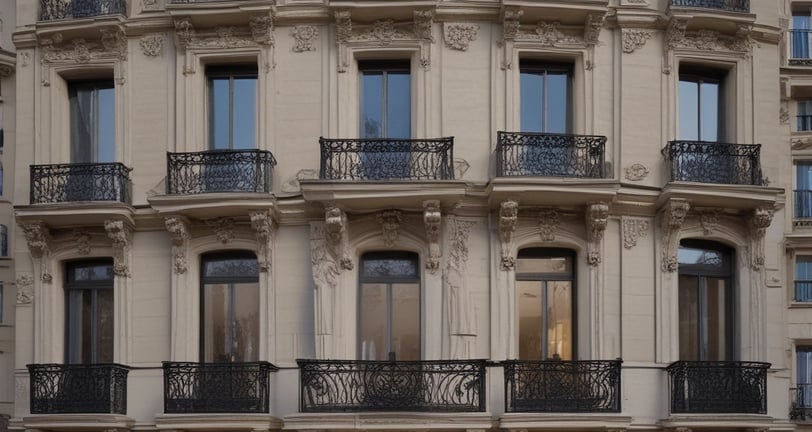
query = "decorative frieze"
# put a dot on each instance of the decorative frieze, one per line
(263, 225)
(152, 45)
(671, 219)
(120, 234)
(390, 221)
(304, 38)
(335, 221)
(112, 45)
(258, 33)
(179, 235)
(679, 37)
(548, 223)
(508, 218)
(460, 36)
(634, 39)
(432, 219)
(633, 229)
(223, 228)
(802, 143)
(597, 217)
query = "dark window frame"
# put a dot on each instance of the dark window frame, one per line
(71, 284)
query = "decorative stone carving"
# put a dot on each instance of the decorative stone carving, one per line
(82, 240)
(597, 217)
(432, 219)
(335, 221)
(802, 143)
(25, 58)
(292, 185)
(760, 220)
(508, 217)
(304, 37)
(672, 217)
(547, 33)
(112, 45)
(223, 228)
(592, 28)
(25, 289)
(149, 5)
(677, 37)
(120, 234)
(263, 224)
(459, 36)
(184, 32)
(636, 172)
(675, 33)
(783, 113)
(325, 272)
(423, 23)
(258, 33)
(178, 229)
(152, 45)
(390, 223)
(6, 71)
(548, 223)
(343, 26)
(262, 29)
(709, 220)
(38, 237)
(461, 312)
(461, 166)
(634, 39)
(633, 229)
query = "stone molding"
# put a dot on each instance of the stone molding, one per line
(597, 217)
(258, 33)
(432, 219)
(179, 235)
(508, 218)
(671, 219)
(120, 234)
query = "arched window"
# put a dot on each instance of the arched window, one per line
(545, 302)
(90, 311)
(389, 306)
(229, 321)
(705, 301)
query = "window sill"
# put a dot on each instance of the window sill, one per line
(795, 304)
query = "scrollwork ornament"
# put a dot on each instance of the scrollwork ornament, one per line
(223, 228)
(460, 36)
(548, 223)
(390, 221)
(634, 39)
(508, 218)
(633, 229)
(178, 229)
(672, 218)
(304, 37)
(432, 219)
(152, 45)
(25, 292)
(636, 172)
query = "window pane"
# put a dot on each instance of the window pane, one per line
(388, 267)
(219, 113)
(246, 322)
(216, 323)
(688, 318)
(544, 265)
(532, 101)
(230, 267)
(373, 324)
(716, 328)
(82, 124)
(709, 109)
(804, 176)
(245, 103)
(406, 321)
(106, 125)
(104, 326)
(529, 303)
(705, 257)
(90, 272)
(559, 320)
(372, 105)
(79, 318)
(803, 267)
(557, 102)
(688, 106)
(398, 105)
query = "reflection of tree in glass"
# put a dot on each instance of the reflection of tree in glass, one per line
(389, 267)
(372, 128)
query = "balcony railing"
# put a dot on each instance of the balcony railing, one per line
(549, 155)
(219, 171)
(216, 387)
(562, 386)
(800, 42)
(62, 9)
(80, 182)
(803, 203)
(801, 402)
(387, 159)
(433, 386)
(803, 293)
(726, 5)
(718, 387)
(78, 388)
(714, 162)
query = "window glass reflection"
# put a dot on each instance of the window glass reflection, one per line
(90, 313)
(700, 111)
(385, 100)
(92, 121)
(232, 107)
(545, 98)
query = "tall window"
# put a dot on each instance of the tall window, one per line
(389, 306)
(386, 95)
(705, 301)
(803, 278)
(232, 107)
(89, 311)
(545, 97)
(92, 120)
(3, 241)
(803, 378)
(545, 298)
(230, 308)
(803, 189)
(801, 28)
(804, 117)
(701, 114)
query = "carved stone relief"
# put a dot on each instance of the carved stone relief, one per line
(461, 312)
(636, 172)
(709, 220)
(432, 219)
(548, 223)
(112, 44)
(304, 37)
(38, 237)
(460, 36)
(325, 272)
(25, 289)
(597, 217)
(258, 33)
(783, 113)
(82, 241)
(671, 219)
(178, 229)
(678, 37)
(633, 229)
(423, 23)
(223, 228)
(149, 5)
(634, 39)
(390, 221)
(508, 218)
(760, 220)
(802, 143)
(152, 45)
(335, 221)
(120, 234)
(6, 71)
(263, 225)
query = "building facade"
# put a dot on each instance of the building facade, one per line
(410, 215)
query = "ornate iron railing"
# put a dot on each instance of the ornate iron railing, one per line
(549, 155)
(801, 402)
(803, 203)
(714, 162)
(62, 9)
(347, 385)
(80, 182)
(718, 387)
(219, 171)
(216, 387)
(387, 159)
(727, 5)
(78, 388)
(562, 386)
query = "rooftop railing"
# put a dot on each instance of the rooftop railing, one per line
(726, 5)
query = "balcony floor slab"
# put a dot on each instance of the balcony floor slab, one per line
(78, 422)
(563, 421)
(78, 214)
(217, 422)
(718, 421)
(418, 421)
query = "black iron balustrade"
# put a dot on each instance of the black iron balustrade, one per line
(433, 386)
(718, 387)
(216, 387)
(714, 162)
(562, 386)
(549, 155)
(726, 5)
(387, 159)
(219, 171)
(80, 182)
(78, 388)
(62, 9)
(801, 402)
(803, 203)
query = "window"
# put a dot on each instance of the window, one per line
(701, 116)
(389, 306)
(545, 298)
(803, 378)
(803, 278)
(232, 107)
(2, 293)
(90, 312)
(803, 189)
(804, 117)
(801, 28)
(230, 308)
(546, 90)
(386, 96)
(3, 241)
(92, 119)
(705, 301)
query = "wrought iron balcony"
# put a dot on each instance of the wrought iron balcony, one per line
(216, 387)
(549, 155)
(65, 9)
(742, 6)
(387, 159)
(801, 402)
(562, 386)
(433, 386)
(78, 388)
(714, 162)
(219, 171)
(717, 387)
(80, 182)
